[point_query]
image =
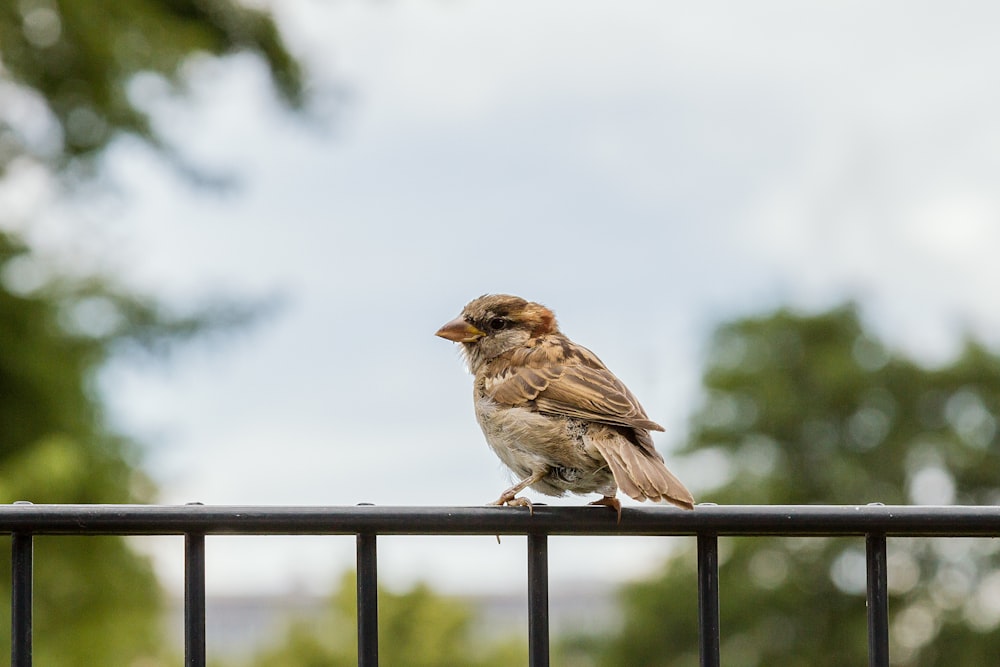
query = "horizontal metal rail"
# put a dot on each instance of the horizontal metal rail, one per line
(792, 520)
(873, 522)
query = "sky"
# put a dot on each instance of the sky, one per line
(646, 169)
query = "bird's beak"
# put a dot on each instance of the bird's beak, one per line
(460, 331)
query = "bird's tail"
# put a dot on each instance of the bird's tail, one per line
(641, 476)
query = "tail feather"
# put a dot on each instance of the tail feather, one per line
(641, 476)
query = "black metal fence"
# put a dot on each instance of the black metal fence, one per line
(707, 522)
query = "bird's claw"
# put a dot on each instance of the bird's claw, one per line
(512, 501)
(612, 502)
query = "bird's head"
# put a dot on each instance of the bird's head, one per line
(496, 323)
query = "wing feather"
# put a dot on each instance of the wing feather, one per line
(559, 377)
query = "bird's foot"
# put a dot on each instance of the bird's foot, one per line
(612, 502)
(510, 500)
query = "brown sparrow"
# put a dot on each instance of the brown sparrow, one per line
(552, 412)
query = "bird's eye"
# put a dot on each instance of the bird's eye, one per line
(498, 324)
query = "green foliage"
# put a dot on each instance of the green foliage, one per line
(815, 409)
(417, 628)
(79, 56)
(95, 600)
(66, 69)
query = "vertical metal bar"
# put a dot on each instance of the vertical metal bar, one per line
(367, 600)
(20, 600)
(194, 600)
(708, 598)
(878, 601)
(538, 600)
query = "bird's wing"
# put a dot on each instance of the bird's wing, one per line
(559, 377)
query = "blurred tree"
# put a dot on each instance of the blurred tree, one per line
(814, 409)
(66, 74)
(96, 601)
(66, 68)
(417, 628)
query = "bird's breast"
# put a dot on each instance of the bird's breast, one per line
(527, 440)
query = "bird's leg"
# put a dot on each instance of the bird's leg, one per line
(612, 502)
(509, 498)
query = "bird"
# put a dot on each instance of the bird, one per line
(553, 412)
